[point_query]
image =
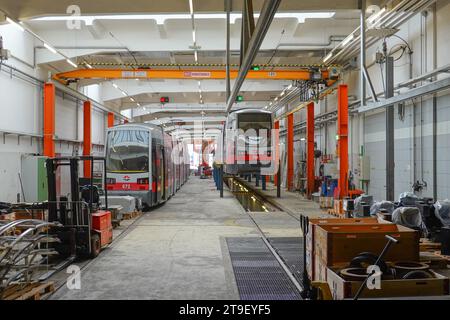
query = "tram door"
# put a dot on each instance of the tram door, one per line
(162, 161)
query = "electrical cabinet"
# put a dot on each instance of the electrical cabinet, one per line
(34, 178)
(365, 168)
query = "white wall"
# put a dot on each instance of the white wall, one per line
(22, 112)
(412, 162)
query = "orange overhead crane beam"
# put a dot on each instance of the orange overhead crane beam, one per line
(199, 74)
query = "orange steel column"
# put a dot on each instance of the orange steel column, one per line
(49, 120)
(87, 137)
(277, 149)
(110, 119)
(342, 135)
(310, 176)
(290, 151)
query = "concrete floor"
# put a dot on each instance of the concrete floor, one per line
(178, 250)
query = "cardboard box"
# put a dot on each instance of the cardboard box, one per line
(335, 244)
(341, 289)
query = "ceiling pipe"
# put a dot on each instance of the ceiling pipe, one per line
(268, 11)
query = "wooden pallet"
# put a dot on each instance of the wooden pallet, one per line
(426, 245)
(335, 213)
(32, 291)
(131, 215)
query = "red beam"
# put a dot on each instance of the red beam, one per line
(310, 176)
(87, 137)
(290, 152)
(277, 149)
(110, 119)
(49, 120)
(342, 134)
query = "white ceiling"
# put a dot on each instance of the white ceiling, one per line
(288, 41)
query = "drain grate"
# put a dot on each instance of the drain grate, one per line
(258, 274)
(290, 249)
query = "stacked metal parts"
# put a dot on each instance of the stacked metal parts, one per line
(24, 252)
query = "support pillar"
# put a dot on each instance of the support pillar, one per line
(310, 159)
(263, 182)
(49, 120)
(277, 149)
(110, 119)
(87, 137)
(342, 135)
(290, 152)
(390, 150)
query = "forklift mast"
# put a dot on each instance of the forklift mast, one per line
(52, 165)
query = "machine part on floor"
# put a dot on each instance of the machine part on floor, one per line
(377, 206)
(403, 267)
(390, 242)
(418, 274)
(354, 274)
(24, 251)
(409, 217)
(348, 206)
(445, 241)
(366, 259)
(82, 221)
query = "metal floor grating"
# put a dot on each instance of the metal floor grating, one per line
(291, 252)
(258, 274)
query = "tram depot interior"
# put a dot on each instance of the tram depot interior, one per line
(224, 150)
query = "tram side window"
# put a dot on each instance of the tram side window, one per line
(128, 151)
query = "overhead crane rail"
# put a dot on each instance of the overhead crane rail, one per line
(193, 74)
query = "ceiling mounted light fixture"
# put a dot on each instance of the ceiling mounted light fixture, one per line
(50, 48)
(328, 57)
(162, 18)
(73, 64)
(15, 24)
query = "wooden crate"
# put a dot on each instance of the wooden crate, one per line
(326, 202)
(31, 214)
(342, 289)
(310, 238)
(336, 244)
(338, 207)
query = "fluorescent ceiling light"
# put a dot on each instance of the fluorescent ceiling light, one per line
(15, 24)
(194, 38)
(196, 56)
(191, 7)
(132, 99)
(124, 93)
(73, 64)
(115, 86)
(328, 57)
(88, 65)
(347, 40)
(375, 16)
(161, 18)
(50, 48)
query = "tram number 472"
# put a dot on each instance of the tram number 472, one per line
(126, 186)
